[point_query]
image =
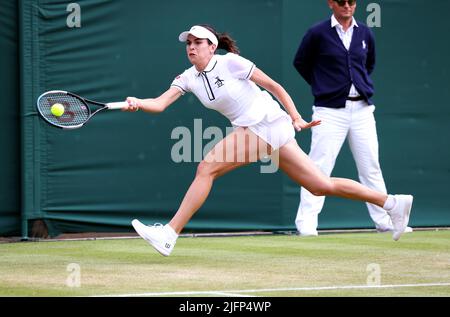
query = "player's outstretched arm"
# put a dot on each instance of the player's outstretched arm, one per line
(264, 81)
(154, 105)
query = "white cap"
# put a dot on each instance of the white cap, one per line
(199, 32)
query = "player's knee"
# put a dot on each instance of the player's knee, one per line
(322, 189)
(202, 169)
(206, 169)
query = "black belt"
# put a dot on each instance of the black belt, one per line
(358, 98)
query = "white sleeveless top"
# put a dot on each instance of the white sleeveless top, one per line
(225, 86)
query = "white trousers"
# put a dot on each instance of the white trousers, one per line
(355, 122)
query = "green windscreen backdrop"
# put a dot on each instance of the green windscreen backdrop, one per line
(10, 148)
(122, 166)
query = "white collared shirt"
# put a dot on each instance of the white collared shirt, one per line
(225, 86)
(346, 38)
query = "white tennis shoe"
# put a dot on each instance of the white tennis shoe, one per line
(161, 237)
(400, 214)
(308, 233)
(390, 228)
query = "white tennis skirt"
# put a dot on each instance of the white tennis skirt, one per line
(276, 132)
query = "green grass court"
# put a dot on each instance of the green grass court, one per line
(274, 265)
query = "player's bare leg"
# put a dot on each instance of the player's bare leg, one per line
(303, 171)
(299, 167)
(239, 148)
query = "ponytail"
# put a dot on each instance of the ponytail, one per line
(226, 42)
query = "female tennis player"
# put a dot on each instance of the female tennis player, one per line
(229, 84)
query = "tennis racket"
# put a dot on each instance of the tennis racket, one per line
(74, 110)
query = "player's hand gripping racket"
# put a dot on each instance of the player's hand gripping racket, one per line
(69, 111)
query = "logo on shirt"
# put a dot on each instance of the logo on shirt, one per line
(364, 45)
(219, 82)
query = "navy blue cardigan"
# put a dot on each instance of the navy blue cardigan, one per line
(330, 69)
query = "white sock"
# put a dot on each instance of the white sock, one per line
(390, 203)
(171, 232)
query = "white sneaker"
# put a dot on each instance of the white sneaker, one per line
(407, 230)
(157, 235)
(400, 214)
(388, 227)
(308, 233)
(307, 227)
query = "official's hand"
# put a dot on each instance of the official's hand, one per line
(134, 104)
(299, 123)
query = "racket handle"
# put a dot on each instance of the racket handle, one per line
(117, 105)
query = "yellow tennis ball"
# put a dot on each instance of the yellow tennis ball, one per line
(57, 110)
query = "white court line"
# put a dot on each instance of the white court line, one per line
(227, 294)
(218, 293)
(265, 290)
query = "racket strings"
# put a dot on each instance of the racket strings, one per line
(75, 110)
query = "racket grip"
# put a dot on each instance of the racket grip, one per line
(117, 105)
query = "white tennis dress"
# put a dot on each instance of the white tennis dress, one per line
(225, 86)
